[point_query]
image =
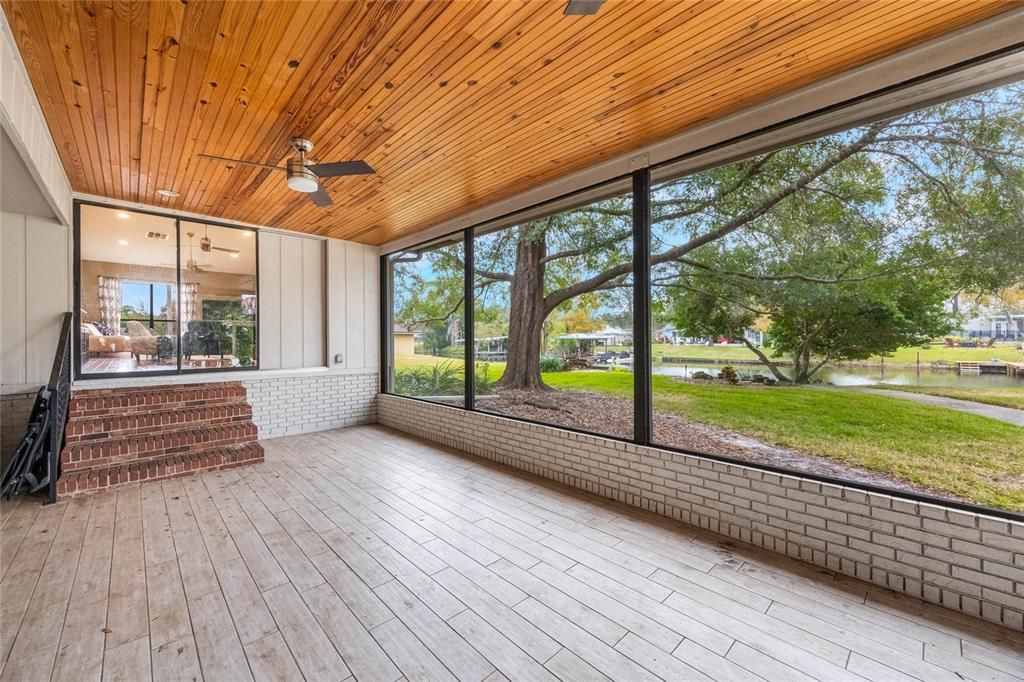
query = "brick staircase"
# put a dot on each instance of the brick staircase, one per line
(129, 435)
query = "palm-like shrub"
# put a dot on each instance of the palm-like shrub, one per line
(442, 379)
(446, 378)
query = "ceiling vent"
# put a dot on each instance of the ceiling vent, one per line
(157, 235)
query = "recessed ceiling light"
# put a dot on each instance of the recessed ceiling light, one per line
(123, 215)
(167, 192)
(582, 7)
(246, 233)
(234, 255)
(122, 242)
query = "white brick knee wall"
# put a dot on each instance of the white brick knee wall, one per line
(965, 561)
(314, 402)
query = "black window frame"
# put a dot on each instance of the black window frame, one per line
(641, 186)
(77, 294)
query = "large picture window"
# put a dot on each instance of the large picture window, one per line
(848, 307)
(139, 312)
(822, 307)
(428, 327)
(553, 316)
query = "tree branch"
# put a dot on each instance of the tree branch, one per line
(766, 361)
(582, 251)
(552, 300)
(436, 319)
(785, 278)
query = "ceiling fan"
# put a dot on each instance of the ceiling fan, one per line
(304, 176)
(190, 264)
(206, 245)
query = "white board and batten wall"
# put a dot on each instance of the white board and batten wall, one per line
(318, 303)
(353, 295)
(34, 292)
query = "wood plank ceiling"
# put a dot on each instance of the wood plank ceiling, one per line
(455, 104)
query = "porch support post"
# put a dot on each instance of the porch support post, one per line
(642, 418)
(468, 331)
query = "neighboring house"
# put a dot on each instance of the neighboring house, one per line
(976, 320)
(405, 341)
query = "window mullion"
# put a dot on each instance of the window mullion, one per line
(642, 418)
(468, 332)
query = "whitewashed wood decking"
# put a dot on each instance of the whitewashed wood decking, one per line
(368, 554)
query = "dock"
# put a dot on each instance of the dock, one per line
(1012, 369)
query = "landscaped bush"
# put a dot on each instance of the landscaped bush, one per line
(442, 379)
(484, 384)
(551, 364)
(453, 352)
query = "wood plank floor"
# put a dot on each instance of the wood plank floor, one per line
(363, 553)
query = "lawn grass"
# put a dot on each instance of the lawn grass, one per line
(950, 452)
(1004, 397)
(1005, 352)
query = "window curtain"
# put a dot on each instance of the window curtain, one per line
(110, 302)
(189, 304)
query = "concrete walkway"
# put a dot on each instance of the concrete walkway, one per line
(1003, 414)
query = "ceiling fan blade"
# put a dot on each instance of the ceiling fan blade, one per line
(221, 248)
(332, 170)
(247, 163)
(321, 197)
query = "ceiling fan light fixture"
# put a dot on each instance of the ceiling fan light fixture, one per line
(300, 178)
(302, 183)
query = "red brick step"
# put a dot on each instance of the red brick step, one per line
(127, 435)
(80, 429)
(157, 468)
(154, 443)
(121, 401)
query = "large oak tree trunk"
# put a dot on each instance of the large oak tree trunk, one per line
(526, 316)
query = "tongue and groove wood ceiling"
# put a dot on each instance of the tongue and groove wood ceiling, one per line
(455, 104)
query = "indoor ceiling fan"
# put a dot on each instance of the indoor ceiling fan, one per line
(206, 245)
(190, 264)
(303, 175)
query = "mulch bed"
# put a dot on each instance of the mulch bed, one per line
(607, 415)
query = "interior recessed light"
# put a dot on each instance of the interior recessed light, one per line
(123, 215)
(122, 242)
(234, 255)
(582, 7)
(246, 233)
(167, 192)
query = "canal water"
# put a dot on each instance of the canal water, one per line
(866, 376)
